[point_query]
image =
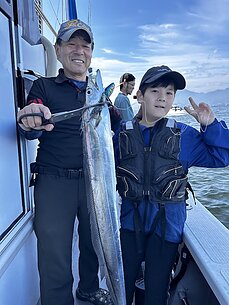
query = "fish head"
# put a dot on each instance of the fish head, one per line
(94, 95)
(94, 89)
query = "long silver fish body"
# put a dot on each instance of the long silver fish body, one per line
(99, 170)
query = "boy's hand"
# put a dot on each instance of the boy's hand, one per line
(202, 112)
(34, 122)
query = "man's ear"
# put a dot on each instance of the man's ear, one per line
(140, 96)
(124, 83)
(57, 49)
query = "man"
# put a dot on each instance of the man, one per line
(59, 187)
(122, 102)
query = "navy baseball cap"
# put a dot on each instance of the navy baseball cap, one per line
(69, 27)
(155, 73)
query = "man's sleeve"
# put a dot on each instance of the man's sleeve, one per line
(30, 135)
(121, 106)
(36, 95)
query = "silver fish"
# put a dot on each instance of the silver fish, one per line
(99, 169)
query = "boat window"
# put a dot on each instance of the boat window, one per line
(12, 206)
(29, 21)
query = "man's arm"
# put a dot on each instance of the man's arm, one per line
(30, 135)
(34, 105)
(122, 103)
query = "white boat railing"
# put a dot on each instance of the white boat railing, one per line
(208, 242)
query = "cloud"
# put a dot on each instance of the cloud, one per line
(210, 17)
(107, 51)
(202, 74)
(193, 42)
(191, 48)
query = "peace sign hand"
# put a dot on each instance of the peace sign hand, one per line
(202, 112)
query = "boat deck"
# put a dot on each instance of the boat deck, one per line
(208, 242)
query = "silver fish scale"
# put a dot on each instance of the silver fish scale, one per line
(99, 168)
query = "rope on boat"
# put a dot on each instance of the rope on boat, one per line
(55, 13)
(89, 13)
(42, 15)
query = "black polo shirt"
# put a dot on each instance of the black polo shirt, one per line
(61, 147)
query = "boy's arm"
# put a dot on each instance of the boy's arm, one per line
(115, 118)
(116, 146)
(208, 148)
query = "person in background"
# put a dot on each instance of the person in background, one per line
(153, 155)
(59, 187)
(122, 102)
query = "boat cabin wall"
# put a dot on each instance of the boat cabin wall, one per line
(19, 281)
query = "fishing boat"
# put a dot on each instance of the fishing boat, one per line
(205, 278)
(176, 111)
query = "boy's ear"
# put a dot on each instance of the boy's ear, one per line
(140, 96)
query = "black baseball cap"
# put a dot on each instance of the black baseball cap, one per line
(128, 77)
(155, 73)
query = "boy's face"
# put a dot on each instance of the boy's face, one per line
(156, 102)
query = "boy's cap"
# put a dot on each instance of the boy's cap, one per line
(155, 73)
(69, 27)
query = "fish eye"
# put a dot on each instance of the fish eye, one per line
(89, 91)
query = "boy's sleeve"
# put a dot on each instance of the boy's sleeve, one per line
(208, 148)
(115, 118)
(216, 134)
(116, 146)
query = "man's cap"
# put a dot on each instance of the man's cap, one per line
(69, 27)
(155, 73)
(128, 77)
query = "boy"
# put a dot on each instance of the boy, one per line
(153, 155)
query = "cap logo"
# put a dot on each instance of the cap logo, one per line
(71, 23)
(164, 69)
(75, 23)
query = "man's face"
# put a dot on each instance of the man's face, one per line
(129, 87)
(156, 102)
(75, 56)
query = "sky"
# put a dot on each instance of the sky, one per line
(190, 37)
